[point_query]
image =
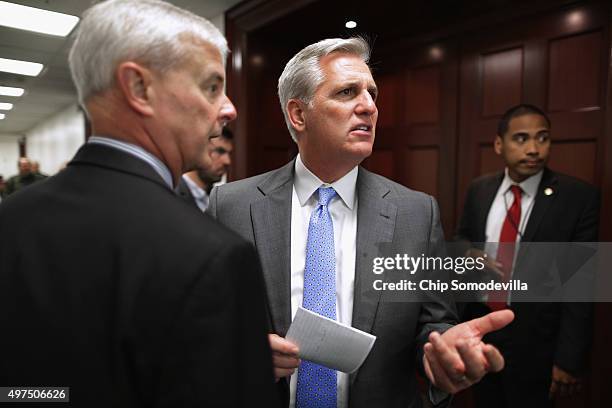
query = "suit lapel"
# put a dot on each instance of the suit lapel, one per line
(271, 218)
(541, 205)
(375, 225)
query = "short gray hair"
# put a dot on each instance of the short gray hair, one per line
(146, 31)
(303, 75)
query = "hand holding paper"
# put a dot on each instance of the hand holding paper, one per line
(329, 343)
(285, 357)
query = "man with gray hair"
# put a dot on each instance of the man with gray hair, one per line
(317, 224)
(115, 287)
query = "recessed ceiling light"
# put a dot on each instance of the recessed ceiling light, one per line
(6, 106)
(2, 116)
(35, 19)
(350, 24)
(10, 91)
(20, 67)
(436, 53)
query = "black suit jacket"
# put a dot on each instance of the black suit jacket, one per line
(542, 334)
(183, 191)
(113, 286)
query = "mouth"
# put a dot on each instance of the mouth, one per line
(362, 129)
(532, 163)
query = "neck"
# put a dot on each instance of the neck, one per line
(111, 118)
(328, 171)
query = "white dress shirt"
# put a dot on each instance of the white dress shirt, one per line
(502, 203)
(343, 211)
(198, 193)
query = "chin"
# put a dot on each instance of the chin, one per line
(363, 149)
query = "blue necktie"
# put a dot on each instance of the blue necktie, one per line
(316, 385)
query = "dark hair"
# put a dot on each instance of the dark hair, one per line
(226, 133)
(516, 111)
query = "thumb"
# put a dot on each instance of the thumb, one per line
(492, 321)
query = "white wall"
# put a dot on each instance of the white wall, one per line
(55, 141)
(9, 154)
(219, 22)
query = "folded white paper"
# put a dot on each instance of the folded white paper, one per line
(329, 343)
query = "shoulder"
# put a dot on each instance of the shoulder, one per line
(254, 187)
(573, 185)
(486, 180)
(398, 194)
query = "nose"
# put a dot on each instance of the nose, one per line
(228, 111)
(532, 147)
(366, 104)
(227, 160)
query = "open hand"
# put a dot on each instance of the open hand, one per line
(458, 358)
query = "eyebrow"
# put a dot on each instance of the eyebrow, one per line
(523, 133)
(356, 84)
(214, 77)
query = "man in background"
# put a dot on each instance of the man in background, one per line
(317, 224)
(546, 346)
(196, 185)
(110, 284)
(36, 170)
(25, 177)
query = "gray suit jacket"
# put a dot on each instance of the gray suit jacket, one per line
(259, 209)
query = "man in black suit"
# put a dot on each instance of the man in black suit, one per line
(109, 283)
(546, 346)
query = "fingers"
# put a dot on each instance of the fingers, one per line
(281, 345)
(492, 321)
(564, 389)
(494, 358)
(495, 268)
(285, 357)
(284, 361)
(553, 390)
(436, 374)
(475, 365)
(282, 373)
(491, 265)
(449, 360)
(447, 370)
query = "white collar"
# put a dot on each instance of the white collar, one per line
(136, 151)
(196, 191)
(306, 183)
(529, 185)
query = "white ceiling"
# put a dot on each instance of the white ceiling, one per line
(52, 90)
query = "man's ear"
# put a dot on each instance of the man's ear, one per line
(497, 144)
(135, 81)
(295, 112)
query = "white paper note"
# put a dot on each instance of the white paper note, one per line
(329, 343)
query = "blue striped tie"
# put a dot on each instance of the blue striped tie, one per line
(316, 385)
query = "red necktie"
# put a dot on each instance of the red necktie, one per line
(505, 251)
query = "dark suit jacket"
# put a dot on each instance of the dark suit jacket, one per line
(111, 285)
(259, 209)
(182, 189)
(542, 333)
